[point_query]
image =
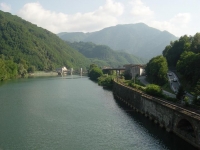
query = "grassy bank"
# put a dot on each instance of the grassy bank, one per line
(43, 73)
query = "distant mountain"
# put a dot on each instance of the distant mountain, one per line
(104, 56)
(21, 40)
(138, 39)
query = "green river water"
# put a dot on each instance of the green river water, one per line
(74, 113)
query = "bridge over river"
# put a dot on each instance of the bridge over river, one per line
(118, 70)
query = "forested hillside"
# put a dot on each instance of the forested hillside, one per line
(137, 39)
(184, 54)
(104, 56)
(22, 41)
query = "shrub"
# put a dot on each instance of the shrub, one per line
(154, 90)
(95, 73)
(186, 100)
(106, 80)
(136, 86)
(196, 101)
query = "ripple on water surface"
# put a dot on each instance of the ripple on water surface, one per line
(73, 113)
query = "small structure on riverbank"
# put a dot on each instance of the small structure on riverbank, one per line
(61, 71)
(134, 69)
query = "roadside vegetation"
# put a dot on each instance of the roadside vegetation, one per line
(107, 80)
(151, 89)
(184, 56)
(156, 70)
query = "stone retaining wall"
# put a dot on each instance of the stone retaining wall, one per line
(165, 114)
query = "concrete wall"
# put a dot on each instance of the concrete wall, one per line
(165, 114)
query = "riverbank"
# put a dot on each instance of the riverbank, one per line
(50, 73)
(43, 73)
(183, 122)
(72, 112)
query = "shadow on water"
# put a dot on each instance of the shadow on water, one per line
(107, 88)
(2, 83)
(170, 140)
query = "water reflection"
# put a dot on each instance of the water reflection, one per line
(170, 140)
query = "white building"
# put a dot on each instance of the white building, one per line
(134, 69)
(62, 70)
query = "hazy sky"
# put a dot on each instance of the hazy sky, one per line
(179, 17)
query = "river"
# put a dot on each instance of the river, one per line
(74, 113)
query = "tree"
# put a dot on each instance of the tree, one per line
(156, 70)
(165, 51)
(3, 72)
(196, 99)
(195, 47)
(186, 100)
(189, 66)
(184, 63)
(94, 73)
(11, 69)
(184, 54)
(173, 51)
(31, 69)
(22, 71)
(180, 93)
(93, 66)
(197, 88)
(8, 69)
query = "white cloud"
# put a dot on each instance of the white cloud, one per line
(110, 14)
(111, 8)
(5, 7)
(139, 9)
(181, 19)
(142, 13)
(58, 22)
(175, 25)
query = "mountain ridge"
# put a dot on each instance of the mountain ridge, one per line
(26, 43)
(38, 47)
(131, 38)
(99, 53)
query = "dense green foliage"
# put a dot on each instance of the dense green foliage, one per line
(40, 48)
(189, 66)
(106, 80)
(184, 54)
(180, 93)
(197, 88)
(197, 94)
(104, 56)
(8, 69)
(154, 90)
(94, 72)
(137, 86)
(173, 51)
(138, 39)
(156, 70)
